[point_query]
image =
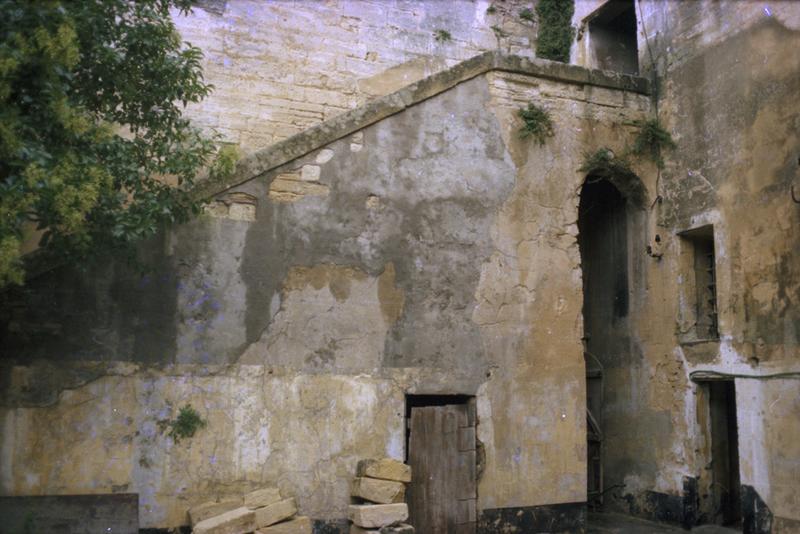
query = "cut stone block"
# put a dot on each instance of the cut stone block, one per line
(379, 491)
(377, 515)
(275, 512)
(262, 497)
(400, 528)
(210, 509)
(298, 525)
(385, 468)
(238, 521)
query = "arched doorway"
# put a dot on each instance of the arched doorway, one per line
(610, 214)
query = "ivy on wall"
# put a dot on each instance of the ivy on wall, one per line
(555, 29)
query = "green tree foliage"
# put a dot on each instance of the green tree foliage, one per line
(555, 29)
(94, 150)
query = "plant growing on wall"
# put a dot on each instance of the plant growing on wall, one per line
(185, 425)
(603, 161)
(555, 29)
(498, 32)
(651, 141)
(526, 14)
(442, 36)
(536, 123)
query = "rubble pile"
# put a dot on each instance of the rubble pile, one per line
(380, 490)
(262, 511)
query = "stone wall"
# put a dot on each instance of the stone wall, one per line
(727, 79)
(432, 252)
(279, 67)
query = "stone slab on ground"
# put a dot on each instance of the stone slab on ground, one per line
(379, 491)
(275, 512)
(384, 468)
(203, 511)
(239, 521)
(377, 515)
(401, 528)
(262, 497)
(298, 525)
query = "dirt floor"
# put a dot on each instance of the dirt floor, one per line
(600, 523)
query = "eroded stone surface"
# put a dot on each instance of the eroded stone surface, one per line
(299, 525)
(379, 491)
(210, 509)
(275, 512)
(377, 515)
(384, 468)
(237, 521)
(262, 497)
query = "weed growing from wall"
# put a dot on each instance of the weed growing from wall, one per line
(491, 10)
(604, 162)
(185, 425)
(498, 32)
(555, 29)
(526, 14)
(225, 164)
(536, 123)
(442, 36)
(651, 141)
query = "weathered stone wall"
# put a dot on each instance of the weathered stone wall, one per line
(279, 67)
(431, 252)
(728, 79)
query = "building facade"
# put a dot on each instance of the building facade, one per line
(624, 332)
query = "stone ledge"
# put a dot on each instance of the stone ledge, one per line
(354, 120)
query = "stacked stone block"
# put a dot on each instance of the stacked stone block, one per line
(262, 511)
(380, 490)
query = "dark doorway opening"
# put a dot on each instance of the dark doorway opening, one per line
(726, 495)
(603, 243)
(441, 449)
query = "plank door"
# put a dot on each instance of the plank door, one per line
(442, 496)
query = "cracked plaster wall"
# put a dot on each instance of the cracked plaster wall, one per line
(437, 254)
(728, 78)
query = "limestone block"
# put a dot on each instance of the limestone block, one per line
(298, 525)
(379, 491)
(237, 521)
(210, 509)
(385, 468)
(275, 512)
(324, 155)
(310, 173)
(242, 212)
(377, 515)
(262, 497)
(400, 528)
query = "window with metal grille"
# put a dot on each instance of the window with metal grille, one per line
(701, 241)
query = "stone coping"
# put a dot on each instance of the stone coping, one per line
(349, 122)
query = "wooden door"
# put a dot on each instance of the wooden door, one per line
(442, 496)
